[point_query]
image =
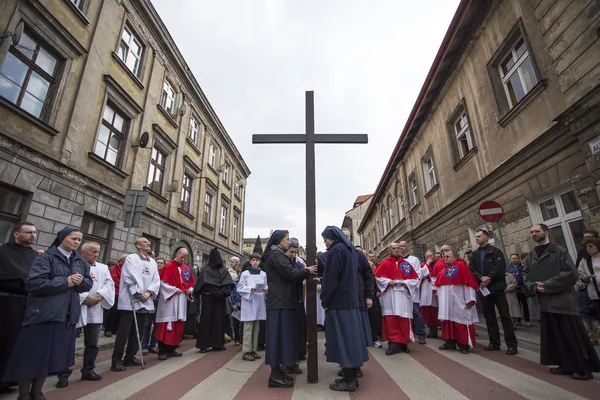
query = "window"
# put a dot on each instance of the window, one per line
(414, 190)
(562, 214)
(226, 173)
(384, 219)
(194, 133)
(130, 50)
(186, 193)
(234, 230)
(463, 136)
(28, 75)
(237, 188)
(97, 230)
(212, 155)
(78, 3)
(517, 72)
(12, 203)
(154, 243)
(110, 137)
(429, 173)
(223, 221)
(208, 207)
(168, 98)
(391, 205)
(156, 173)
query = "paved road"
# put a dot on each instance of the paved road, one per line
(426, 373)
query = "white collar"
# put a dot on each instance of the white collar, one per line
(64, 253)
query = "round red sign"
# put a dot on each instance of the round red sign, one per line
(491, 211)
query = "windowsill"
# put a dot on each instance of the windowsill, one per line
(135, 79)
(235, 241)
(537, 89)
(213, 169)
(167, 116)
(193, 145)
(108, 165)
(30, 118)
(78, 13)
(204, 224)
(465, 159)
(226, 185)
(415, 206)
(187, 214)
(432, 190)
(223, 235)
(237, 196)
(158, 196)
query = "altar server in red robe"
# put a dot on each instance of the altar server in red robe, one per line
(176, 286)
(457, 294)
(429, 301)
(397, 279)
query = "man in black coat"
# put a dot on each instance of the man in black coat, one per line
(16, 257)
(488, 266)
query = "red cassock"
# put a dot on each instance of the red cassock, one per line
(429, 312)
(396, 305)
(181, 277)
(457, 288)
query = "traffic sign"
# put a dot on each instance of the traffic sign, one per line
(491, 211)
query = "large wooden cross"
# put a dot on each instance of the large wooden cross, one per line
(310, 138)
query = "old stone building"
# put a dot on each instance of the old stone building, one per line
(353, 218)
(77, 92)
(510, 111)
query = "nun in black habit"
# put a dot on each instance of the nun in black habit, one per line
(213, 286)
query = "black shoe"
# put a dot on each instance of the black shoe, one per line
(448, 346)
(107, 334)
(162, 356)
(287, 369)
(492, 347)
(358, 372)
(255, 355)
(37, 396)
(582, 377)
(404, 348)
(203, 351)
(464, 349)
(279, 382)
(91, 376)
(342, 386)
(248, 357)
(288, 378)
(117, 368)
(25, 397)
(302, 358)
(297, 369)
(341, 372)
(219, 348)
(261, 347)
(132, 362)
(392, 351)
(559, 371)
(512, 351)
(356, 382)
(62, 383)
(174, 354)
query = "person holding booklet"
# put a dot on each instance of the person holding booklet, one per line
(252, 288)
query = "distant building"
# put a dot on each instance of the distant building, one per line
(85, 82)
(249, 243)
(353, 218)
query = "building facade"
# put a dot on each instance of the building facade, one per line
(84, 84)
(353, 218)
(510, 111)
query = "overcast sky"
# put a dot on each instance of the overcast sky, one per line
(365, 60)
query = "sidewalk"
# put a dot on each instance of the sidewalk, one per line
(104, 343)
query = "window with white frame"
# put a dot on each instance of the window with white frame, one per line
(223, 221)
(226, 173)
(186, 192)
(156, 172)
(428, 170)
(235, 228)
(209, 199)
(194, 133)
(384, 220)
(391, 207)
(462, 132)
(562, 214)
(414, 190)
(517, 72)
(169, 97)
(78, 3)
(28, 75)
(130, 50)
(212, 155)
(111, 135)
(237, 188)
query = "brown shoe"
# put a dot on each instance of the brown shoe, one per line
(422, 341)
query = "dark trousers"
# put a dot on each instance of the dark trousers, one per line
(523, 302)
(111, 322)
(236, 328)
(126, 334)
(499, 300)
(91, 333)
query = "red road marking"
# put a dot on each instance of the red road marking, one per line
(377, 383)
(466, 381)
(587, 389)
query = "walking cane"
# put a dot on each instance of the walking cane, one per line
(137, 329)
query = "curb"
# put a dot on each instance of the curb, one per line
(101, 347)
(523, 342)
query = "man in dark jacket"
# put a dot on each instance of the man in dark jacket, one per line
(549, 272)
(488, 266)
(16, 257)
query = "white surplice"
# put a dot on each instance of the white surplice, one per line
(138, 276)
(416, 264)
(253, 305)
(102, 285)
(453, 300)
(172, 306)
(397, 300)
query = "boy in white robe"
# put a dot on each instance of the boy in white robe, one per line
(252, 287)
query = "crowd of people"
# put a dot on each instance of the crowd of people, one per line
(150, 304)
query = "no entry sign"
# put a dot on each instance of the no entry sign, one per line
(491, 211)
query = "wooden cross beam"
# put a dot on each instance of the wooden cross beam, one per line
(309, 139)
